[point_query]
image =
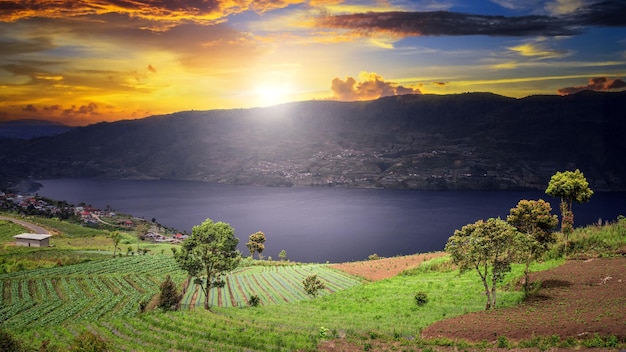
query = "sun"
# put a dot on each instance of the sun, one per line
(272, 94)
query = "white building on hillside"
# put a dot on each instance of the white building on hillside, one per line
(32, 240)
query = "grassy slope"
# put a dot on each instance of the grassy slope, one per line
(379, 309)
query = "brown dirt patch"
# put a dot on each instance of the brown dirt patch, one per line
(578, 299)
(384, 268)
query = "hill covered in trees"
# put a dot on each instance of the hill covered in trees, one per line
(465, 141)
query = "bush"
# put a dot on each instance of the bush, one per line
(421, 298)
(312, 285)
(168, 299)
(254, 301)
(373, 257)
(8, 342)
(89, 342)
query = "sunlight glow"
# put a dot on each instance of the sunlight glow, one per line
(272, 94)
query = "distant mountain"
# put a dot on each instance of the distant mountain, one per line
(434, 142)
(26, 129)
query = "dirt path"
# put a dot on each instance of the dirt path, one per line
(35, 228)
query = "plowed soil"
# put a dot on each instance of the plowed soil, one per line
(383, 268)
(578, 299)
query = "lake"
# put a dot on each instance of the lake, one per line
(317, 224)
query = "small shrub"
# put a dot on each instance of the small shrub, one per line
(503, 342)
(143, 304)
(254, 300)
(323, 333)
(89, 342)
(312, 285)
(373, 257)
(421, 298)
(168, 299)
(8, 342)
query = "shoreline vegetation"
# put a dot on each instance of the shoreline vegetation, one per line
(58, 297)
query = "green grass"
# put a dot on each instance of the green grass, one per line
(101, 295)
(8, 229)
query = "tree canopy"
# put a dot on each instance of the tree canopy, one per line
(208, 254)
(570, 186)
(256, 243)
(534, 219)
(489, 247)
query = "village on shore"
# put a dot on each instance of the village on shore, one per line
(88, 215)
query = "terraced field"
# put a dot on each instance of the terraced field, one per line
(82, 292)
(273, 285)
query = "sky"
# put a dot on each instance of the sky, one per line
(84, 61)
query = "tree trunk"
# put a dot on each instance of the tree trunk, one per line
(493, 292)
(487, 293)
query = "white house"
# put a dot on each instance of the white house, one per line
(32, 240)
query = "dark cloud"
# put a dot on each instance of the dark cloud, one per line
(604, 13)
(30, 108)
(441, 84)
(89, 109)
(371, 86)
(446, 23)
(596, 84)
(13, 47)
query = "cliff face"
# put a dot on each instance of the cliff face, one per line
(466, 141)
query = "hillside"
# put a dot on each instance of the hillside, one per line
(463, 141)
(26, 129)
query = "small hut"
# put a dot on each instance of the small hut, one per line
(32, 240)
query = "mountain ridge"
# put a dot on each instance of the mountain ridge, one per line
(470, 141)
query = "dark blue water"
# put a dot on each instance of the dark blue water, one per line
(317, 224)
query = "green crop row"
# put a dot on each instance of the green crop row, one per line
(272, 284)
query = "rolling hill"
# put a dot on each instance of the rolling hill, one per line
(477, 141)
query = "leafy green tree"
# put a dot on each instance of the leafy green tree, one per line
(208, 254)
(168, 299)
(116, 236)
(256, 243)
(570, 186)
(312, 285)
(489, 247)
(533, 218)
(282, 255)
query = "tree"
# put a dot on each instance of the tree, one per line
(208, 254)
(117, 237)
(282, 255)
(168, 299)
(534, 219)
(570, 186)
(312, 284)
(489, 247)
(256, 243)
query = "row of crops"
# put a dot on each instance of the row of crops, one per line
(272, 284)
(82, 292)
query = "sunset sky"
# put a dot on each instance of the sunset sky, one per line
(85, 61)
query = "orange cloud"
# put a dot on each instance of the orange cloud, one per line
(370, 86)
(197, 11)
(595, 84)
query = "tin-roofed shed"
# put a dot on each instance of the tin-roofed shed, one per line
(32, 240)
